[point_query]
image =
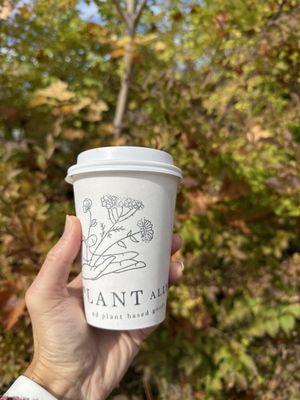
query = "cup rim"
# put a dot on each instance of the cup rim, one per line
(123, 165)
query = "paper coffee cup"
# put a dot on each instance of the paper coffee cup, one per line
(125, 200)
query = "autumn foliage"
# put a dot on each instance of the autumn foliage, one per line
(216, 84)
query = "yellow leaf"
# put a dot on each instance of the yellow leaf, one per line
(95, 111)
(122, 41)
(41, 162)
(25, 12)
(117, 53)
(57, 90)
(6, 9)
(72, 133)
(37, 101)
(160, 46)
(76, 107)
(256, 133)
(145, 39)
(106, 129)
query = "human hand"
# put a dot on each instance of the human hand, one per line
(73, 360)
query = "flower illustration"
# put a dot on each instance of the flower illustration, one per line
(146, 229)
(87, 204)
(133, 204)
(109, 201)
(102, 256)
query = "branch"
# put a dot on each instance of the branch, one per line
(123, 14)
(138, 13)
(278, 12)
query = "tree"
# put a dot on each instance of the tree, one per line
(216, 85)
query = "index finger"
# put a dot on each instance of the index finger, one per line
(176, 243)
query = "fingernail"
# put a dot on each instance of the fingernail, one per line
(68, 224)
(181, 266)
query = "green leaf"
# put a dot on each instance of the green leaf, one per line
(287, 323)
(293, 309)
(272, 327)
(258, 329)
(247, 361)
(215, 384)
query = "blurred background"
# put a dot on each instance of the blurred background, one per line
(215, 83)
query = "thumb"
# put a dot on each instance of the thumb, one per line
(55, 270)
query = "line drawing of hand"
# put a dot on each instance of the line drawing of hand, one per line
(115, 263)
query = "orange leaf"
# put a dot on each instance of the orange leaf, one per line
(240, 225)
(13, 314)
(200, 201)
(117, 53)
(190, 182)
(199, 395)
(6, 291)
(234, 189)
(118, 141)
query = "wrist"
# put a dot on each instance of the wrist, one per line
(51, 381)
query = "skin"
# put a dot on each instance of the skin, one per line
(73, 360)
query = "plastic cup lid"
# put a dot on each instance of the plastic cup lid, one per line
(123, 158)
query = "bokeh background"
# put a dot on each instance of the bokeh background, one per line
(215, 83)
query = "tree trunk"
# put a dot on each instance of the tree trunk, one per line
(131, 18)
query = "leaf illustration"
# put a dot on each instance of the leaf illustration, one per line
(127, 264)
(91, 240)
(122, 244)
(127, 255)
(127, 215)
(129, 233)
(115, 214)
(133, 239)
(131, 267)
(94, 222)
(111, 216)
(102, 229)
(117, 229)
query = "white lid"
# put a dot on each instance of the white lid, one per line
(123, 158)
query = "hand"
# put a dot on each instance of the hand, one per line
(73, 360)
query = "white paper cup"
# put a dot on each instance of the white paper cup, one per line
(125, 200)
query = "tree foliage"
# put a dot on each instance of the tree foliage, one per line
(214, 83)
